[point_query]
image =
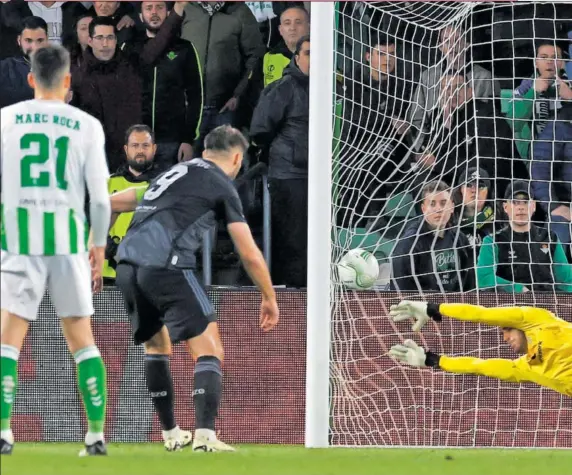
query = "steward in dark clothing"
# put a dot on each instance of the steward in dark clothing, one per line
(440, 264)
(280, 124)
(111, 91)
(173, 94)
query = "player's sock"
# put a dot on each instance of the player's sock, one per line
(208, 391)
(160, 386)
(8, 383)
(92, 385)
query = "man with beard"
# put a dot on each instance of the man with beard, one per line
(140, 169)
(172, 90)
(14, 71)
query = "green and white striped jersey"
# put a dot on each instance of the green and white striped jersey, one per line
(50, 150)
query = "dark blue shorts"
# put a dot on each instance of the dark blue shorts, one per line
(156, 297)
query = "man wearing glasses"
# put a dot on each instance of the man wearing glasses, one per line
(108, 84)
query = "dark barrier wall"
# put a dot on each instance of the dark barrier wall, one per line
(374, 401)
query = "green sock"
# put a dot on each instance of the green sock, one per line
(91, 380)
(8, 383)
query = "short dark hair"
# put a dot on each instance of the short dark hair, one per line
(101, 21)
(435, 186)
(33, 23)
(224, 138)
(296, 7)
(549, 42)
(139, 128)
(380, 39)
(49, 65)
(300, 43)
(169, 5)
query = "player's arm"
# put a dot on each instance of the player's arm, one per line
(410, 353)
(125, 201)
(523, 318)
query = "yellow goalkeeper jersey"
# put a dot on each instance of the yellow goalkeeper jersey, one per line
(548, 361)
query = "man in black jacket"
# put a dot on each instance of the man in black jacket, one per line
(280, 123)
(14, 71)
(432, 255)
(172, 90)
(468, 128)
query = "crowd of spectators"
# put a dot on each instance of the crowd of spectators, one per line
(492, 190)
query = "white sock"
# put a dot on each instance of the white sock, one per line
(7, 436)
(93, 437)
(171, 434)
(205, 434)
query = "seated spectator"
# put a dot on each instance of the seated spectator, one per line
(468, 128)
(108, 84)
(60, 17)
(537, 100)
(14, 71)
(139, 170)
(475, 209)
(431, 255)
(551, 173)
(230, 47)
(375, 106)
(172, 90)
(280, 123)
(123, 16)
(79, 41)
(294, 24)
(455, 47)
(522, 256)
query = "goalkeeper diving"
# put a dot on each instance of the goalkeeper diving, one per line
(543, 340)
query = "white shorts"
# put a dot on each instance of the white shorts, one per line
(25, 280)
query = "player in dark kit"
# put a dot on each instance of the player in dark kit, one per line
(164, 300)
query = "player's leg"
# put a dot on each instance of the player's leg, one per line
(148, 328)
(190, 317)
(22, 288)
(69, 283)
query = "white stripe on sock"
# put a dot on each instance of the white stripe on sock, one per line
(86, 353)
(9, 351)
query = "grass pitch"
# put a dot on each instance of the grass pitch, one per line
(152, 459)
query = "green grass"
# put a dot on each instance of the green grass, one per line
(151, 459)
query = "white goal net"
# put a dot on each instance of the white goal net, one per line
(453, 166)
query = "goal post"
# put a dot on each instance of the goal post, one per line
(321, 125)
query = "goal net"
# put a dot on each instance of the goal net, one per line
(474, 96)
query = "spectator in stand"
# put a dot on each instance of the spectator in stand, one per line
(108, 84)
(123, 16)
(280, 123)
(140, 168)
(475, 210)
(60, 17)
(522, 256)
(14, 71)
(375, 106)
(78, 43)
(551, 172)
(8, 34)
(456, 49)
(294, 24)
(230, 47)
(432, 255)
(468, 128)
(172, 90)
(539, 99)
(267, 15)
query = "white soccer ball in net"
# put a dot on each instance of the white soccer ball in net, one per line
(358, 269)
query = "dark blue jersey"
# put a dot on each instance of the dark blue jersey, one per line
(178, 207)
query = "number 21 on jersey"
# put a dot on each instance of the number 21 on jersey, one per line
(41, 143)
(165, 181)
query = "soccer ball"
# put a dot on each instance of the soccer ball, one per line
(358, 269)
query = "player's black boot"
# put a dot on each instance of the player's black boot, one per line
(98, 448)
(5, 447)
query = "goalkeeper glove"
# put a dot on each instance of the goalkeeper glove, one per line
(406, 310)
(412, 354)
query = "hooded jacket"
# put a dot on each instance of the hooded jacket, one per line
(423, 262)
(280, 124)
